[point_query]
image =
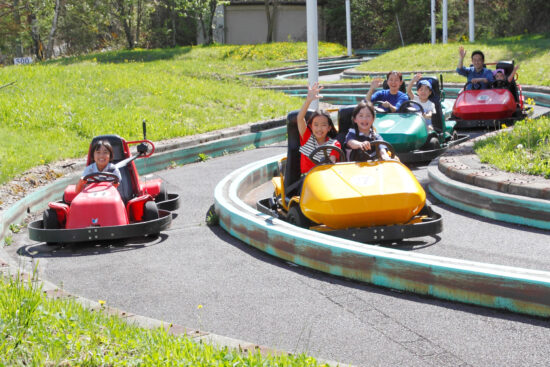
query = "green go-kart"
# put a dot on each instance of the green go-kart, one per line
(406, 129)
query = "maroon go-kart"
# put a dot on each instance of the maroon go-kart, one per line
(107, 209)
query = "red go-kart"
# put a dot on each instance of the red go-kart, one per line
(107, 209)
(503, 103)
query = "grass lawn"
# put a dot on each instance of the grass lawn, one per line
(532, 52)
(38, 331)
(524, 149)
(55, 108)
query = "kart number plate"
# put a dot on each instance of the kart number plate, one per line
(362, 180)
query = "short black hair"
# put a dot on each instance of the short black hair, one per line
(396, 73)
(103, 143)
(478, 52)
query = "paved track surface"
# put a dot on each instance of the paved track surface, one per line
(252, 296)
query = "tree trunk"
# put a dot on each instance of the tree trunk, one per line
(173, 22)
(271, 15)
(37, 45)
(212, 8)
(138, 20)
(17, 21)
(125, 17)
(53, 29)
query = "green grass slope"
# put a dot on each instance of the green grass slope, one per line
(55, 108)
(531, 52)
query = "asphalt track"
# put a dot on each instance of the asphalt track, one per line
(248, 295)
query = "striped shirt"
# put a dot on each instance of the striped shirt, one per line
(308, 145)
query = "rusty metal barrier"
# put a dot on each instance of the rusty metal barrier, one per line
(514, 289)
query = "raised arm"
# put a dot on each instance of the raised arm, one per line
(513, 74)
(375, 83)
(461, 55)
(413, 81)
(312, 94)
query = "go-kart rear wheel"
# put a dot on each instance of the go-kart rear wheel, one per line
(433, 143)
(49, 219)
(296, 217)
(163, 194)
(150, 211)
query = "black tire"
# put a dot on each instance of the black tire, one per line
(49, 219)
(162, 195)
(150, 211)
(433, 143)
(296, 217)
(455, 135)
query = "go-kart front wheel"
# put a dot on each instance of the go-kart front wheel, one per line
(150, 211)
(296, 217)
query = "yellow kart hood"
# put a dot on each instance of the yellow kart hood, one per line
(361, 194)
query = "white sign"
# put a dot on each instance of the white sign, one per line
(22, 60)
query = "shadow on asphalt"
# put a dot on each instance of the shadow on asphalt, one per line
(353, 284)
(42, 250)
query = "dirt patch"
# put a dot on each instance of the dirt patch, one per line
(35, 178)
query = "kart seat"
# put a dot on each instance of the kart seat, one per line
(293, 172)
(344, 123)
(435, 97)
(128, 185)
(508, 67)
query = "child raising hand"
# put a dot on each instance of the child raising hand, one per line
(318, 130)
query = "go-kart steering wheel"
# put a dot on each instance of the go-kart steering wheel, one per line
(379, 107)
(359, 155)
(500, 84)
(475, 86)
(325, 149)
(377, 145)
(101, 177)
(404, 107)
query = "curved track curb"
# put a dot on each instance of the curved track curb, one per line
(488, 203)
(213, 144)
(514, 289)
(459, 179)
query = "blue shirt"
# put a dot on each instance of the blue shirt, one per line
(385, 95)
(471, 73)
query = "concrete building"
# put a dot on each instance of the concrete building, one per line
(245, 22)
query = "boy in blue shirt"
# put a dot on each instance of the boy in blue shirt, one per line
(391, 98)
(477, 74)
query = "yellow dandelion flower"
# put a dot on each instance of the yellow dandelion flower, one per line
(503, 126)
(101, 302)
(199, 307)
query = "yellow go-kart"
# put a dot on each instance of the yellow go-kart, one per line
(372, 201)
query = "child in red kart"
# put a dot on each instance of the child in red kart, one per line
(319, 130)
(102, 153)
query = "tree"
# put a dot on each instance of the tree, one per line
(53, 29)
(271, 15)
